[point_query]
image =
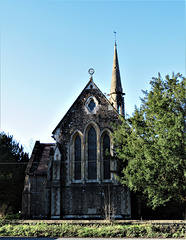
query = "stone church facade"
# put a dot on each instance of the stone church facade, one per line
(75, 177)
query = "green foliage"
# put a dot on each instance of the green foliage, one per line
(16, 216)
(151, 143)
(12, 167)
(109, 231)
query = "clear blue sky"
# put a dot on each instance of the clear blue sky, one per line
(47, 47)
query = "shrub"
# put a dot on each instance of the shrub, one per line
(70, 230)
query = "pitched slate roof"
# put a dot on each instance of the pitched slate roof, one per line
(40, 158)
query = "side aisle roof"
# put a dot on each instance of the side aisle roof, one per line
(40, 158)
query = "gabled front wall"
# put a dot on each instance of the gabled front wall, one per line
(88, 198)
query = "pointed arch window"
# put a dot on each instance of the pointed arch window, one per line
(92, 154)
(106, 158)
(77, 158)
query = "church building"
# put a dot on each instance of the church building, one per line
(74, 178)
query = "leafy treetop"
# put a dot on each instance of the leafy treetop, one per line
(151, 143)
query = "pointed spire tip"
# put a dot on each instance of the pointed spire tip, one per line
(115, 38)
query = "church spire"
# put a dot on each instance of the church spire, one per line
(116, 91)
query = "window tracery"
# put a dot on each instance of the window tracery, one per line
(90, 155)
(91, 105)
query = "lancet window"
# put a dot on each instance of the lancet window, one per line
(92, 154)
(106, 157)
(77, 158)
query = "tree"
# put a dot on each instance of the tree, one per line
(12, 167)
(151, 143)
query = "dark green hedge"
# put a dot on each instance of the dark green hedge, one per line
(96, 230)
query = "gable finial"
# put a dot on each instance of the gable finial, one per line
(91, 72)
(115, 37)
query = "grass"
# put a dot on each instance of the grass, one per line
(95, 230)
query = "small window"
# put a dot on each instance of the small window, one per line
(92, 154)
(77, 158)
(91, 105)
(106, 157)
